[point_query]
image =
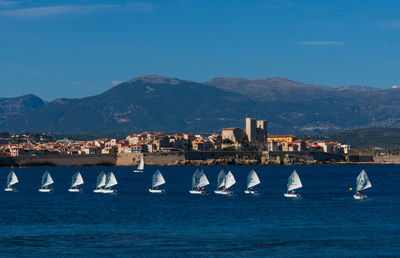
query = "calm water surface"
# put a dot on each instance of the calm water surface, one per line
(327, 221)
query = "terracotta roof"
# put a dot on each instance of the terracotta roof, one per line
(281, 136)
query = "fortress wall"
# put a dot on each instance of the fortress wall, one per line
(387, 159)
(278, 157)
(361, 158)
(223, 157)
(127, 159)
(164, 159)
(195, 158)
(66, 160)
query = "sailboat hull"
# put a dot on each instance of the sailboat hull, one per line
(198, 192)
(10, 189)
(109, 191)
(292, 195)
(222, 192)
(98, 190)
(75, 190)
(251, 192)
(46, 190)
(159, 191)
(137, 171)
(358, 197)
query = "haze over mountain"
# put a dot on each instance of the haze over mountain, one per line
(160, 103)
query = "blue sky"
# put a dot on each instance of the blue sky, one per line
(80, 48)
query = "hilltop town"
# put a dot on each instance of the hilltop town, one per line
(254, 137)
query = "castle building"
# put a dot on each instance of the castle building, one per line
(251, 125)
(262, 131)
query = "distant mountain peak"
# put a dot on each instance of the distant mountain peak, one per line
(357, 88)
(259, 82)
(156, 79)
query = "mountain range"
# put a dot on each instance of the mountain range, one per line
(159, 103)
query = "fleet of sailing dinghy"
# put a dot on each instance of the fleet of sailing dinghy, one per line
(12, 179)
(252, 180)
(294, 183)
(47, 180)
(199, 181)
(140, 167)
(157, 181)
(77, 180)
(224, 182)
(363, 183)
(101, 182)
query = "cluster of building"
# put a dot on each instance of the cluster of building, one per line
(291, 143)
(253, 138)
(256, 137)
(143, 142)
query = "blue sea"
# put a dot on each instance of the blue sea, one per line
(325, 222)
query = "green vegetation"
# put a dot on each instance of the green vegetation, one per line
(243, 140)
(227, 141)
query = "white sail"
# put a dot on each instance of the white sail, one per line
(101, 180)
(363, 181)
(141, 164)
(12, 179)
(221, 179)
(196, 178)
(229, 180)
(46, 179)
(158, 179)
(252, 179)
(77, 179)
(203, 180)
(294, 181)
(110, 180)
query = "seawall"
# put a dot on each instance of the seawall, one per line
(66, 160)
(180, 158)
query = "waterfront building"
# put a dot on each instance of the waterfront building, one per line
(282, 138)
(300, 145)
(91, 150)
(17, 151)
(273, 146)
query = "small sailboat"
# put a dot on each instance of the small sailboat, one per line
(101, 182)
(225, 183)
(140, 167)
(294, 183)
(220, 182)
(47, 180)
(157, 181)
(252, 180)
(77, 180)
(199, 181)
(12, 179)
(110, 182)
(363, 183)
